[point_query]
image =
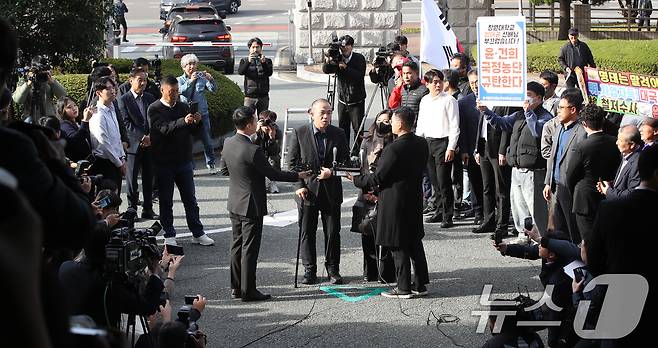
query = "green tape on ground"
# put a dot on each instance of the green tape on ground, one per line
(337, 290)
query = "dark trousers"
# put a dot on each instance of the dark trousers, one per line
(458, 178)
(183, 176)
(475, 180)
(495, 193)
(143, 160)
(121, 21)
(330, 214)
(440, 173)
(258, 103)
(350, 117)
(108, 170)
(247, 235)
(377, 261)
(585, 225)
(404, 257)
(563, 219)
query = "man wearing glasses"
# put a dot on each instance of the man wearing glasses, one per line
(556, 191)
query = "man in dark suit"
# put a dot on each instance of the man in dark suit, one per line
(247, 167)
(319, 144)
(649, 131)
(556, 190)
(627, 177)
(613, 247)
(133, 106)
(490, 153)
(595, 159)
(399, 177)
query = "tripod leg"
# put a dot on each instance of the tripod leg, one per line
(365, 116)
(299, 244)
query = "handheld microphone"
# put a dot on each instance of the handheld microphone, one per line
(335, 162)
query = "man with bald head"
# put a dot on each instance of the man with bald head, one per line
(319, 144)
(628, 177)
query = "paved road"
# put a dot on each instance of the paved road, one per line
(460, 263)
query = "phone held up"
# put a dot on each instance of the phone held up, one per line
(189, 299)
(175, 249)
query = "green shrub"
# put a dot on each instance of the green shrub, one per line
(639, 56)
(221, 104)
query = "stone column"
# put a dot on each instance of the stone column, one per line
(372, 24)
(463, 19)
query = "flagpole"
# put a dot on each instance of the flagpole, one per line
(420, 62)
(520, 7)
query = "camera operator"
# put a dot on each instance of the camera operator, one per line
(37, 91)
(151, 87)
(180, 333)
(257, 71)
(269, 138)
(556, 253)
(382, 70)
(91, 292)
(106, 208)
(350, 68)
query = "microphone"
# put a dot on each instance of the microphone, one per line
(335, 157)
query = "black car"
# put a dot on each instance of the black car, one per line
(230, 6)
(192, 11)
(208, 30)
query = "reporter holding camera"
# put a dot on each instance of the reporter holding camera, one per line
(350, 69)
(193, 85)
(269, 138)
(40, 84)
(257, 71)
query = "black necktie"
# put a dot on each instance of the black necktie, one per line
(319, 140)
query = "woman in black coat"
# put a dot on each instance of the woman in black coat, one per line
(78, 142)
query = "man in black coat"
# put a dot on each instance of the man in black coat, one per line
(247, 167)
(613, 247)
(133, 106)
(319, 144)
(399, 177)
(627, 178)
(595, 159)
(566, 138)
(350, 71)
(574, 53)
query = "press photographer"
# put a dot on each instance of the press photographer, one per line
(382, 70)
(350, 68)
(257, 70)
(269, 138)
(38, 90)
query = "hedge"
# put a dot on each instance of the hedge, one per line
(222, 103)
(639, 56)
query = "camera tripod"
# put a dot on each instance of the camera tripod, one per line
(36, 102)
(130, 328)
(331, 90)
(383, 92)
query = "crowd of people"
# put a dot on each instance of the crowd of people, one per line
(436, 155)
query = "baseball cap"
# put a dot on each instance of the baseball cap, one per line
(573, 31)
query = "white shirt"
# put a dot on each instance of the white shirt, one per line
(105, 135)
(438, 117)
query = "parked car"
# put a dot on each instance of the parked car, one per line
(166, 5)
(192, 11)
(230, 6)
(189, 30)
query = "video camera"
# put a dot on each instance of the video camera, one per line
(304, 167)
(333, 52)
(39, 67)
(382, 65)
(130, 251)
(157, 67)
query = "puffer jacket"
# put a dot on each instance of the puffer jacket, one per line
(256, 81)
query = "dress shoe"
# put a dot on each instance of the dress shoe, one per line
(255, 296)
(434, 218)
(235, 293)
(483, 229)
(447, 224)
(397, 293)
(478, 220)
(467, 214)
(419, 291)
(150, 215)
(336, 279)
(429, 209)
(309, 279)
